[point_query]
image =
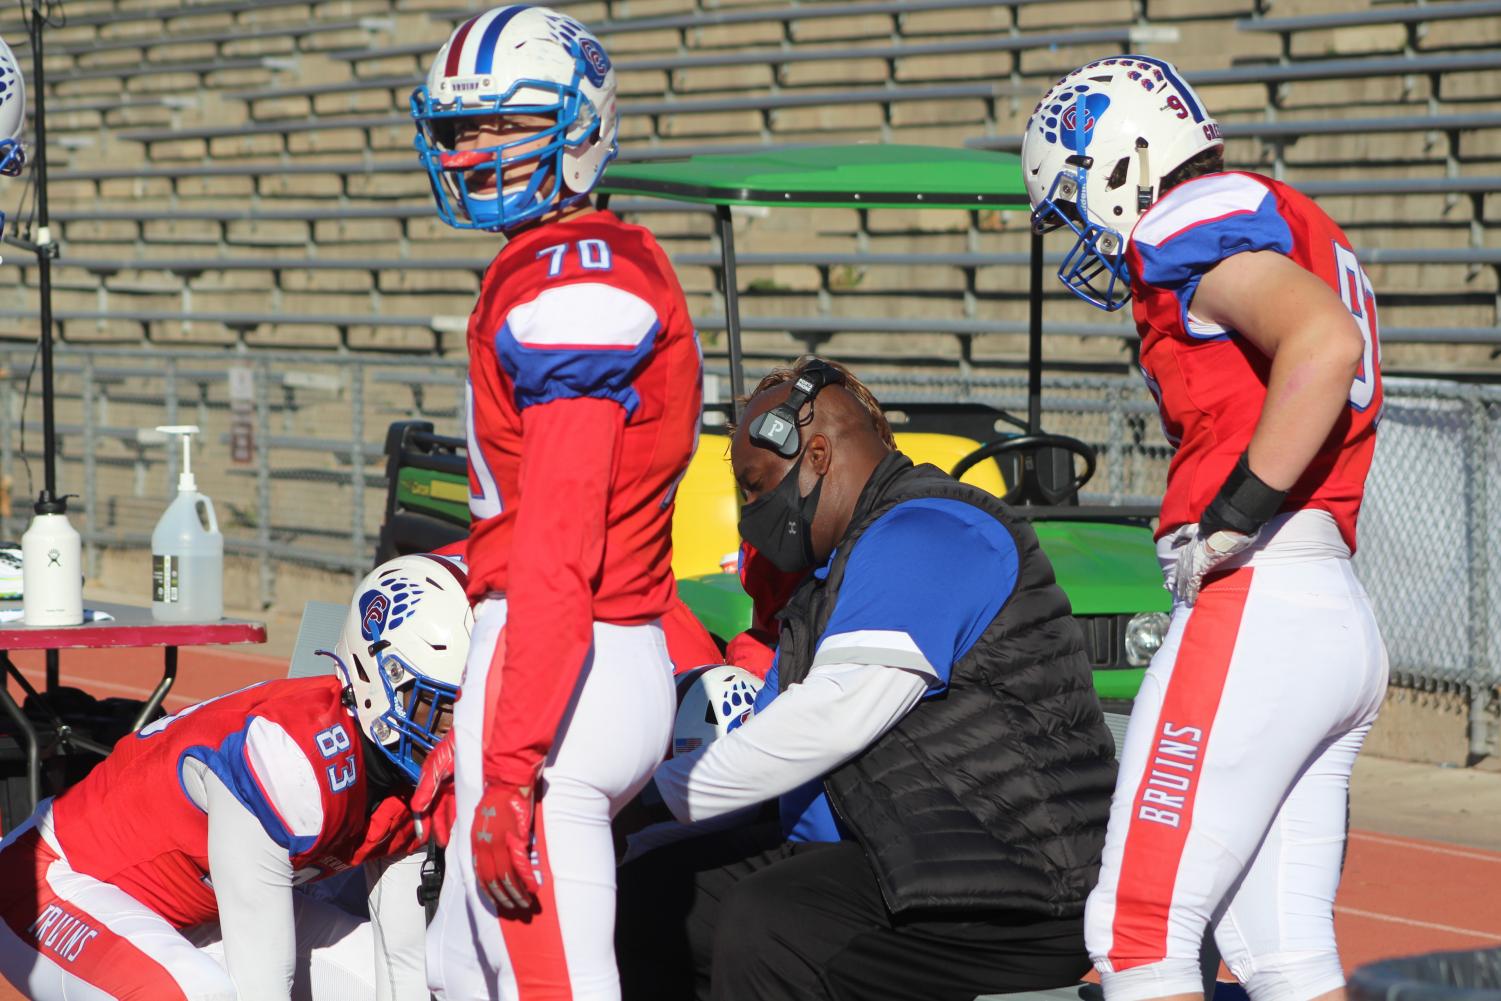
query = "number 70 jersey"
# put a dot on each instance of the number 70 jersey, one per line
(1210, 384)
(588, 308)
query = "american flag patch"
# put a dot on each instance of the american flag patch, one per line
(681, 745)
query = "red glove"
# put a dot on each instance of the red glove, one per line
(502, 845)
(433, 800)
(390, 832)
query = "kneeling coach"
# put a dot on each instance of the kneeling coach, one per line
(930, 731)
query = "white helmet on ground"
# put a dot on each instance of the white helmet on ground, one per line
(517, 60)
(712, 701)
(1094, 155)
(402, 651)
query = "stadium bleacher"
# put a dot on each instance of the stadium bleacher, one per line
(240, 173)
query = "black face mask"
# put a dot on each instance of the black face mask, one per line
(780, 524)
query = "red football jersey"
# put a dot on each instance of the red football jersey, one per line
(288, 750)
(1210, 385)
(591, 308)
(585, 388)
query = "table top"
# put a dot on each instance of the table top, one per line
(131, 626)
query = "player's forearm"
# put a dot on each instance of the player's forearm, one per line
(802, 735)
(252, 878)
(569, 453)
(1307, 391)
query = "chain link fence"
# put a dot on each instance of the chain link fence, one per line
(292, 453)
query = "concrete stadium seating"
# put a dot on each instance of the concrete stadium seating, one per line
(222, 165)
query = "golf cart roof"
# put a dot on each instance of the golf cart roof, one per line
(867, 175)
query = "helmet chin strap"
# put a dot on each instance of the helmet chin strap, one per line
(1144, 185)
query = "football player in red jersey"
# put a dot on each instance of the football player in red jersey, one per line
(1259, 341)
(169, 871)
(583, 406)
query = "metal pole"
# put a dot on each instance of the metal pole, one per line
(731, 305)
(357, 459)
(44, 252)
(1034, 340)
(263, 480)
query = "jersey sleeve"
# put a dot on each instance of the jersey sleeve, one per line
(1198, 225)
(585, 339)
(265, 769)
(920, 587)
(569, 452)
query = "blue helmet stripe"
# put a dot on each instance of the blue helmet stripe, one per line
(485, 63)
(1196, 109)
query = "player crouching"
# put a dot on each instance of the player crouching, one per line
(169, 872)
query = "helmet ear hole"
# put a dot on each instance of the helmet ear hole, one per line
(360, 668)
(1118, 174)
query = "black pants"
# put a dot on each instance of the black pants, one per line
(744, 917)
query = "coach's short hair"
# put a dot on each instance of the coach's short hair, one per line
(856, 388)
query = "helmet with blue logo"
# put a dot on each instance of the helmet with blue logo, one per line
(507, 62)
(12, 117)
(1094, 155)
(712, 701)
(402, 651)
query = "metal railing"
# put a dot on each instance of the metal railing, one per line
(292, 455)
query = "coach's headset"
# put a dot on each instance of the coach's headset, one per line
(777, 428)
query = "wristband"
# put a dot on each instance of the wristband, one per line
(1243, 505)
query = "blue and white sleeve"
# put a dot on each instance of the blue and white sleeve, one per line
(579, 340)
(262, 767)
(919, 589)
(1200, 224)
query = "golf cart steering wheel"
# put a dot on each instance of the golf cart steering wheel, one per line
(1028, 489)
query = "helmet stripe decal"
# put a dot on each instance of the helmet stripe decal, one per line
(486, 60)
(1184, 90)
(456, 47)
(453, 568)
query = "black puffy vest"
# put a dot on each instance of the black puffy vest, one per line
(994, 794)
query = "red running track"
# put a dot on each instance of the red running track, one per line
(1399, 896)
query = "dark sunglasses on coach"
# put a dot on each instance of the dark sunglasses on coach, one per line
(777, 428)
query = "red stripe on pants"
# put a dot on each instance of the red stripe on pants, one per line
(75, 940)
(534, 943)
(1162, 810)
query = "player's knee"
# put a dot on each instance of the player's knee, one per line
(1162, 978)
(754, 909)
(1291, 976)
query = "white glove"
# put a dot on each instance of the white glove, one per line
(1200, 556)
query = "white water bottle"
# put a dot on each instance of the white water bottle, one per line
(51, 567)
(187, 551)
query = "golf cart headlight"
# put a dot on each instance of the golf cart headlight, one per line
(1144, 634)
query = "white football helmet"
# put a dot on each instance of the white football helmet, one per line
(1094, 155)
(516, 60)
(712, 701)
(402, 651)
(12, 117)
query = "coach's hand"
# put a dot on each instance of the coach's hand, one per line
(1197, 560)
(432, 802)
(502, 845)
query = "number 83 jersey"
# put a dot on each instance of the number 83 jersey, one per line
(1210, 384)
(288, 750)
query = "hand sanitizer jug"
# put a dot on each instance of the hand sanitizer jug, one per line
(187, 551)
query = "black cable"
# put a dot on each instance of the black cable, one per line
(53, 16)
(26, 395)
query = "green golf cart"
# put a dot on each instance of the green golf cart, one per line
(1103, 556)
